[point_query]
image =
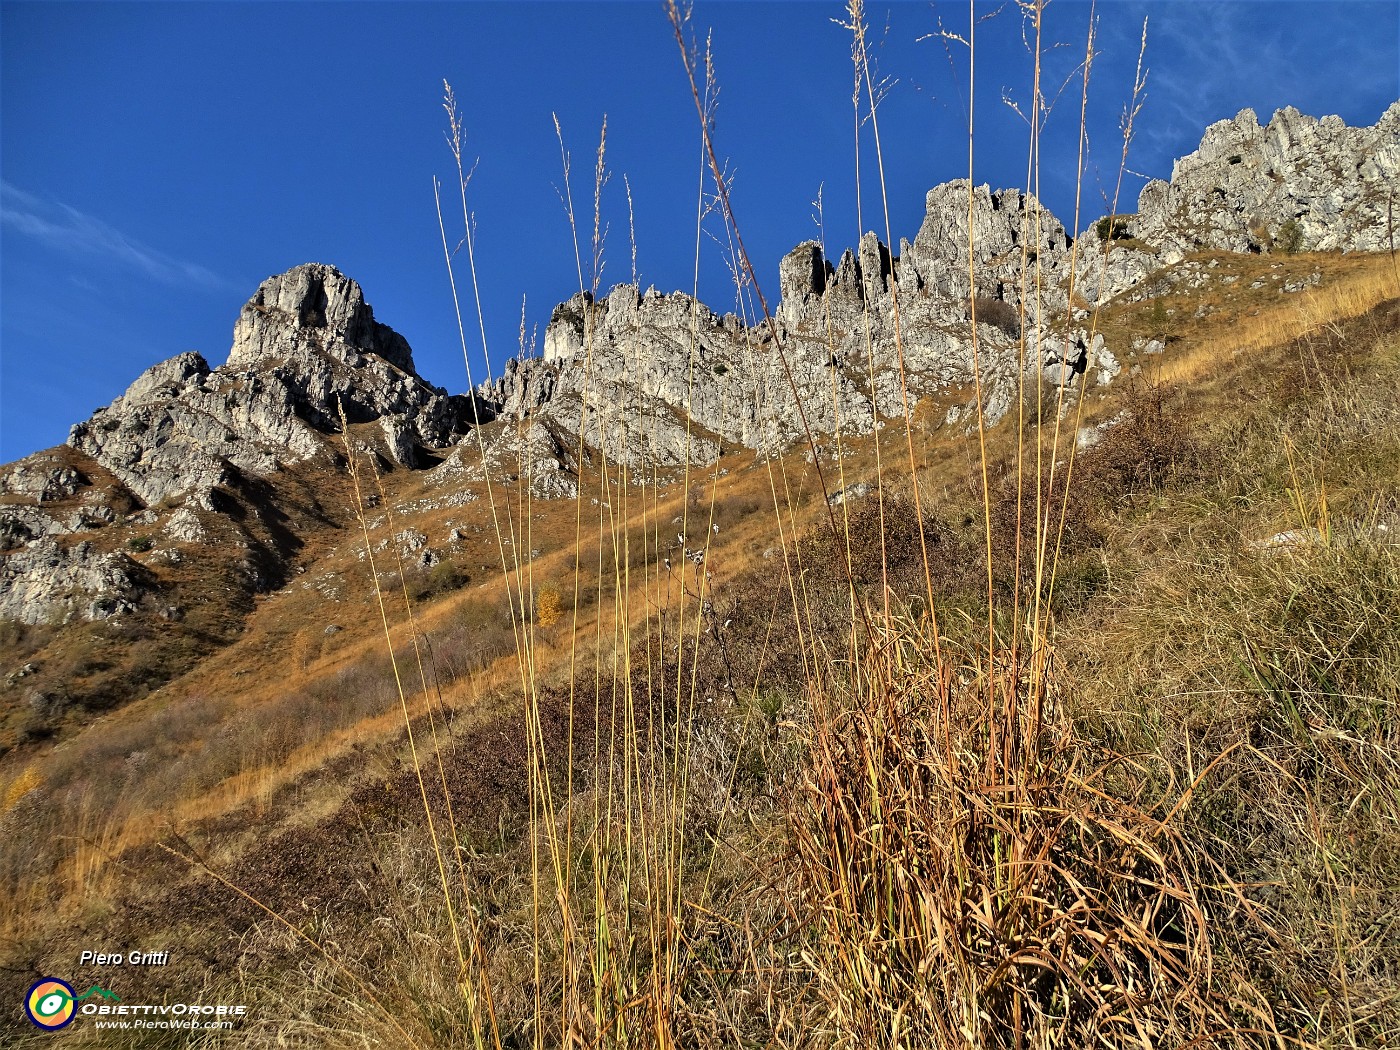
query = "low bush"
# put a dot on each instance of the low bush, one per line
(442, 579)
(1112, 228)
(1289, 238)
(1022, 512)
(1152, 442)
(998, 313)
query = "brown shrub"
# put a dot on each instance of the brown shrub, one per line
(998, 313)
(1152, 443)
(1059, 513)
(756, 631)
(443, 578)
(548, 607)
(886, 545)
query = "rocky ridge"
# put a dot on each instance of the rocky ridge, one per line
(1299, 183)
(660, 379)
(655, 381)
(305, 346)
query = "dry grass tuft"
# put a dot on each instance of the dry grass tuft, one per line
(973, 881)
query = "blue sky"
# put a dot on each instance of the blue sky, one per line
(158, 160)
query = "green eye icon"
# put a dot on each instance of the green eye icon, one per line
(49, 1003)
(53, 1003)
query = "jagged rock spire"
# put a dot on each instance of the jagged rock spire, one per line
(304, 345)
(1297, 183)
(312, 307)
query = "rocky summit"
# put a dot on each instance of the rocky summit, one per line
(305, 347)
(656, 381)
(189, 438)
(661, 379)
(653, 379)
(1298, 183)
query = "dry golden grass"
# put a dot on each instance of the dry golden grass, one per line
(919, 802)
(736, 553)
(28, 779)
(1245, 325)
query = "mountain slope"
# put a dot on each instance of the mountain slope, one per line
(630, 539)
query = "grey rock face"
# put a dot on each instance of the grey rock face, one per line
(49, 580)
(305, 344)
(623, 370)
(1103, 271)
(654, 382)
(527, 452)
(661, 380)
(184, 526)
(41, 477)
(45, 495)
(20, 523)
(1245, 184)
(313, 307)
(1013, 238)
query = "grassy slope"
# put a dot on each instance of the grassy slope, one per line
(282, 759)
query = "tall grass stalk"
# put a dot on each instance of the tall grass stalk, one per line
(968, 872)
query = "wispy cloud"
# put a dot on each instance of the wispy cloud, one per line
(1216, 57)
(66, 229)
(1205, 54)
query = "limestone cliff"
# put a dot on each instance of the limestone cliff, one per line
(304, 346)
(655, 381)
(660, 379)
(1298, 182)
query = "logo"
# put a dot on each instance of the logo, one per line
(49, 1003)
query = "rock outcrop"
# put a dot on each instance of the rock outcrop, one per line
(313, 308)
(660, 380)
(1299, 183)
(652, 379)
(52, 580)
(304, 346)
